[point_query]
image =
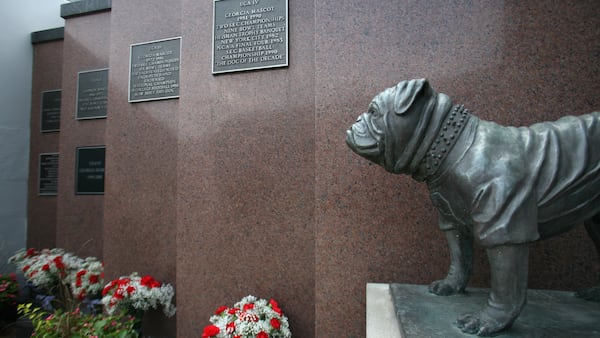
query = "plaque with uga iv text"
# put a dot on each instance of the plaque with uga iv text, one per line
(92, 94)
(89, 171)
(154, 70)
(48, 174)
(50, 117)
(249, 34)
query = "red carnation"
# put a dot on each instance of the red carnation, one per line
(275, 307)
(210, 331)
(107, 288)
(93, 279)
(46, 267)
(262, 334)
(275, 323)
(220, 309)
(149, 282)
(232, 311)
(59, 263)
(249, 306)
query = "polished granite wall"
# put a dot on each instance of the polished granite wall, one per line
(140, 213)
(46, 76)
(79, 218)
(244, 185)
(245, 174)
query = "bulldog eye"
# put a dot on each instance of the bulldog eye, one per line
(377, 124)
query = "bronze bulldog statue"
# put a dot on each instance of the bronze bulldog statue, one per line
(502, 187)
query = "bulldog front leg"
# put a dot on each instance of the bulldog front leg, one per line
(461, 264)
(593, 229)
(508, 292)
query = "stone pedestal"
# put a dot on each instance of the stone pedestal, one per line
(381, 319)
(421, 314)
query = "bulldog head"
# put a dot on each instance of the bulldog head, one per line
(394, 127)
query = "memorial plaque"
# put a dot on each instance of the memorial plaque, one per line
(249, 34)
(89, 175)
(50, 116)
(154, 70)
(92, 94)
(48, 174)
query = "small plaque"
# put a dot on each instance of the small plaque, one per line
(50, 117)
(249, 34)
(48, 174)
(89, 176)
(154, 70)
(92, 94)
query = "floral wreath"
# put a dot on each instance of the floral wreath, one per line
(248, 318)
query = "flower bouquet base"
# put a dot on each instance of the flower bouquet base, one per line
(23, 328)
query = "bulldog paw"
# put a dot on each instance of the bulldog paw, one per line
(446, 287)
(482, 324)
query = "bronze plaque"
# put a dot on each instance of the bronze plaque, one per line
(154, 70)
(249, 34)
(50, 117)
(92, 94)
(89, 171)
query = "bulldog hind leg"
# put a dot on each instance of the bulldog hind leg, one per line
(461, 264)
(593, 229)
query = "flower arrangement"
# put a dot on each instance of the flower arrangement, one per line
(77, 324)
(61, 273)
(248, 318)
(70, 282)
(134, 293)
(9, 290)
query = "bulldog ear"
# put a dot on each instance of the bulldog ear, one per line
(406, 93)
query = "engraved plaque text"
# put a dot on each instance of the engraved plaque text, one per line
(154, 70)
(249, 34)
(92, 94)
(50, 117)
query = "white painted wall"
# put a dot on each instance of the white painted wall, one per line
(18, 19)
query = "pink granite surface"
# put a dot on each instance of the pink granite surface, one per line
(246, 178)
(140, 225)
(244, 185)
(79, 217)
(41, 214)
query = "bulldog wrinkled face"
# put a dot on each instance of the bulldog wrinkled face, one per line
(366, 137)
